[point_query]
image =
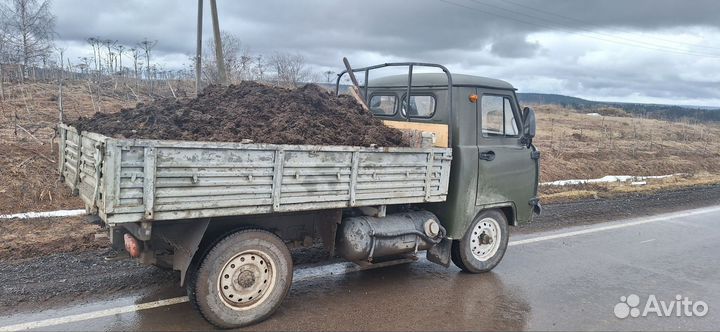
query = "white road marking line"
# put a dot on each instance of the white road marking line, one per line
(595, 229)
(647, 241)
(94, 314)
(299, 275)
(46, 214)
(580, 232)
(314, 272)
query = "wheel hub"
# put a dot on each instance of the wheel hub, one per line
(485, 239)
(245, 279)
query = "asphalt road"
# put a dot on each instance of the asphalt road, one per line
(567, 279)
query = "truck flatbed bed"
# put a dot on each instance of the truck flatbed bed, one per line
(132, 180)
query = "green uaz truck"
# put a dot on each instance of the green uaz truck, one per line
(226, 214)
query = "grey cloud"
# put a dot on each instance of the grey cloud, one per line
(514, 47)
(399, 28)
(453, 32)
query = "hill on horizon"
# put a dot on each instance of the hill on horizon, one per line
(658, 111)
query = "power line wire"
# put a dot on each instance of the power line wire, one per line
(575, 32)
(627, 41)
(612, 29)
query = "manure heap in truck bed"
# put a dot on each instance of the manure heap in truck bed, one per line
(249, 110)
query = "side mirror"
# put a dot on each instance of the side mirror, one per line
(528, 124)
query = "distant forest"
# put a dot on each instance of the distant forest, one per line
(665, 112)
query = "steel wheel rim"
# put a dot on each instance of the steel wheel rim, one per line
(485, 239)
(246, 279)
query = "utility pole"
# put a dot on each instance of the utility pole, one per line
(218, 43)
(198, 55)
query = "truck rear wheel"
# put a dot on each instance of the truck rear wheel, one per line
(242, 280)
(484, 243)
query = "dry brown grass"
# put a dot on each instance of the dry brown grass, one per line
(44, 236)
(581, 146)
(35, 105)
(553, 194)
(28, 180)
(573, 145)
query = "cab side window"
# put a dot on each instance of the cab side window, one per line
(498, 118)
(383, 104)
(421, 106)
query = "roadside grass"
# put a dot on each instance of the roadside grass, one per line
(573, 145)
(559, 194)
(28, 118)
(580, 146)
(27, 238)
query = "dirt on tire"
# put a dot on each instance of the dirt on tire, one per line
(250, 111)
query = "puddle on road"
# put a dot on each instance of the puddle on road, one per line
(413, 296)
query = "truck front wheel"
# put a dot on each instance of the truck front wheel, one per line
(242, 280)
(484, 243)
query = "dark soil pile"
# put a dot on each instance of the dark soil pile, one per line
(249, 110)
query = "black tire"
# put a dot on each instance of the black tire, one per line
(462, 250)
(259, 250)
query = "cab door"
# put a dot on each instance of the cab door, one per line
(507, 174)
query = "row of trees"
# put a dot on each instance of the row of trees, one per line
(107, 57)
(283, 69)
(241, 64)
(27, 34)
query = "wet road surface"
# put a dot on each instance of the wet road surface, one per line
(569, 279)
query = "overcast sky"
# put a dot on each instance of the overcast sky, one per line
(619, 50)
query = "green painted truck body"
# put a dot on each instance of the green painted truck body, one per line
(194, 206)
(166, 193)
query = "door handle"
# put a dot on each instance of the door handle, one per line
(487, 155)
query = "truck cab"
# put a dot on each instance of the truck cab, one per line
(495, 165)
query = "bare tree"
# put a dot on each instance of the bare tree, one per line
(246, 63)
(135, 53)
(3, 57)
(30, 27)
(95, 44)
(61, 110)
(83, 65)
(109, 45)
(259, 68)
(231, 48)
(328, 75)
(120, 48)
(112, 59)
(61, 52)
(290, 69)
(147, 46)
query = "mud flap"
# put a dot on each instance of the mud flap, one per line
(440, 253)
(185, 239)
(536, 207)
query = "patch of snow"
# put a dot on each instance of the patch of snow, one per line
(638, 183)
(607, 179)
(46, 214)
(593, 114)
